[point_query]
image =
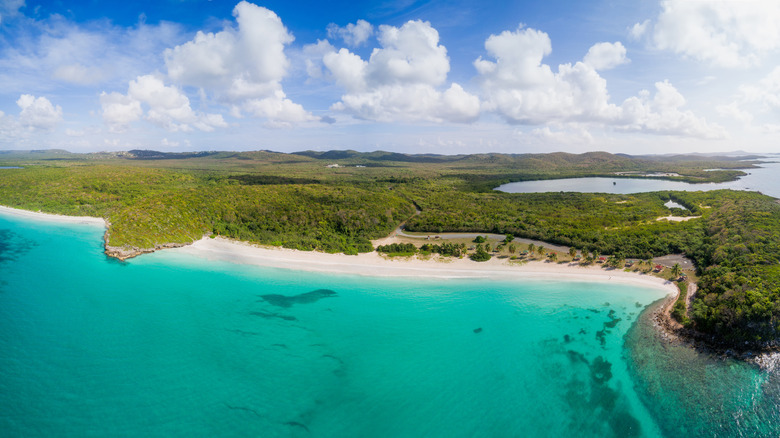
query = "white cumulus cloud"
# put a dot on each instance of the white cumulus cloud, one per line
(242, 66)
(521, 88)
(755, 102)
(166, 106)
(723, 33)
(401, 80)
(119, 110)
(38, 112)
(663, 114)
(638, 30)
(605, 56)
(353, 35)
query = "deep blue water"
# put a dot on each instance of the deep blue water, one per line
(171, 345)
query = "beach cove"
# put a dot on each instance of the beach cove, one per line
(223, 338)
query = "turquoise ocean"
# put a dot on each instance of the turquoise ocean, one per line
(171, 345)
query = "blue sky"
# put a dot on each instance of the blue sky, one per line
(647, 76)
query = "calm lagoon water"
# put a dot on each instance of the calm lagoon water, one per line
(765, 180)
(170, 345)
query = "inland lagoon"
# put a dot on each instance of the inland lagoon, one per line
(765, 179)
(174, 344)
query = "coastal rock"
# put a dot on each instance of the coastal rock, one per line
(126, 252)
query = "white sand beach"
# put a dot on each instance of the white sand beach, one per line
(37, 216)
(374, 264)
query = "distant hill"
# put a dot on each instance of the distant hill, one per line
(381, 156)
(138, 154)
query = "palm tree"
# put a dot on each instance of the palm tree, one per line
(540, 249)
(572, 252)
(676, 271)
(512, 248)
(554, 256)
(531, 248)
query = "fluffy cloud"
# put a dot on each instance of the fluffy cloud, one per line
(353, 34)
(312, 56)
(723, 33)
(638, 30)
(401, 80)
(755, 102)
(38, 112)
(605, 56)
(167, 107)
(242, 66)
(119, 110)
(663, 114)
(766, 92)
(523, 90)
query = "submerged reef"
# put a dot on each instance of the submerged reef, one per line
(304, 298)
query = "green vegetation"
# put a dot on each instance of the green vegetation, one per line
(295, 201)
(481, 254)
(445, 249)
(398, 249)
(678, 309)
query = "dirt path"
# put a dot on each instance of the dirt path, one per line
(672, 259)
(689, 298)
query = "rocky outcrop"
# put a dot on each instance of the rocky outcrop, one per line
(127, 252)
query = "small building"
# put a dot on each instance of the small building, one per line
(602, 259)
(658, 268)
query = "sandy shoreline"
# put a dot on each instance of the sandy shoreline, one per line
(373, 264)
(47, 217)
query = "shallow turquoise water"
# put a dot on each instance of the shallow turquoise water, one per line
(169, 345)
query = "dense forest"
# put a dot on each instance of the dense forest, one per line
(339, 201)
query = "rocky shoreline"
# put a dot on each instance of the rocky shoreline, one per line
(766, 356)
(127, 252)
(124, 253)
